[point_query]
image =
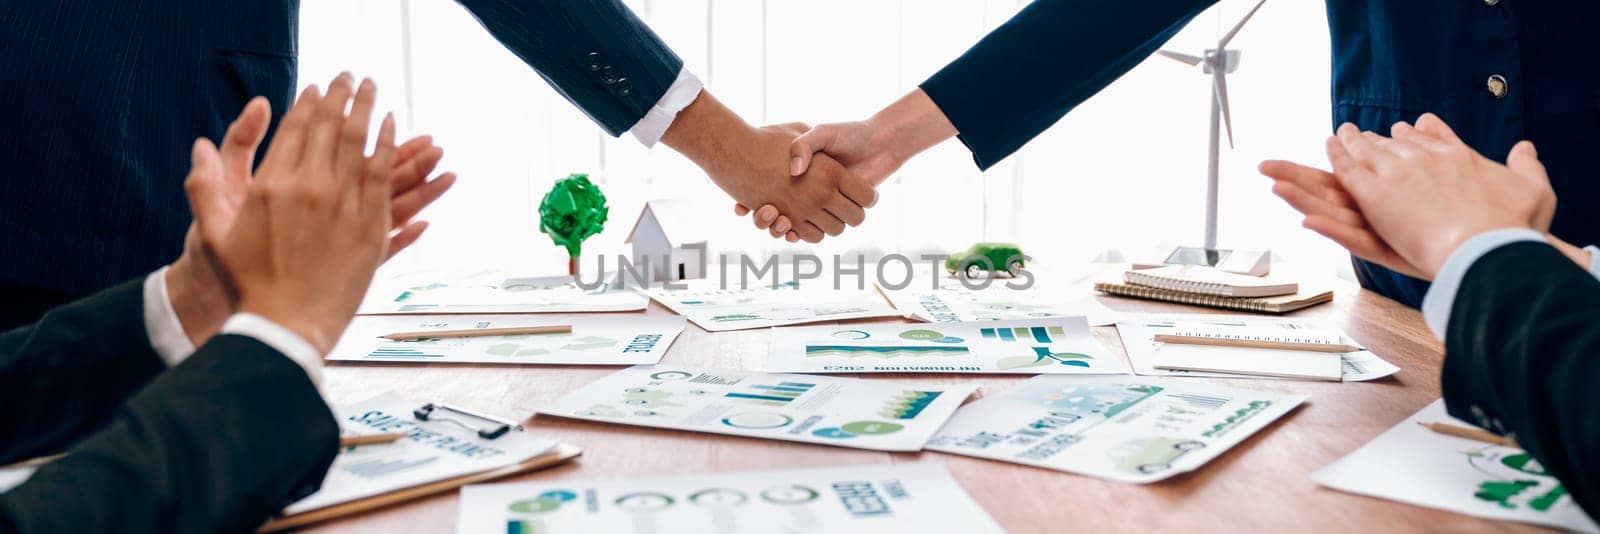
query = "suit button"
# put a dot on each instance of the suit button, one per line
(624, 87)
(608, 75)
(1491, 3)
(1480, 417)
(1498, 86)
(594, 61)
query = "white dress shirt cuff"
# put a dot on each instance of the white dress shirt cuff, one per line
(679, 95)
(1441, 297)
(279, 338)
(161, 322)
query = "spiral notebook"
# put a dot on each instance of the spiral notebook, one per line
(1275, 305)
(1209, 281)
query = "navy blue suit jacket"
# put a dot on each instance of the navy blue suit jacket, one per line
(100, 101)
(1392, 61)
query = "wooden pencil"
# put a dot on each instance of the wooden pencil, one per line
(481, 332)
(1474, 434)
(1254, 344)
(371, 439)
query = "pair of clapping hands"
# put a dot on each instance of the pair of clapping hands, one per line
(1410, 200)
(298, 240)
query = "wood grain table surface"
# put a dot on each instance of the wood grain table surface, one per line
(1262, 485)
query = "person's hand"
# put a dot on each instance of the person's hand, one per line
(1330, 211)
(752, 166)
(872, 149)
(200, 298)
(312, 227)
(1424, 195)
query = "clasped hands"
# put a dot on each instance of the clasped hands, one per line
(1410, 200)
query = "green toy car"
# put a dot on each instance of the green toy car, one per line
(990, 257)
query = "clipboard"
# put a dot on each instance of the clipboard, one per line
(562, 453)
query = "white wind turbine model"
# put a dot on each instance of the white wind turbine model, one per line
(1219, 62)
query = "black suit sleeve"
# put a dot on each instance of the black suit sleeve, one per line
(1054, 54)
(64, 376)
(1522, 357)
(217, 444)
(596, 53)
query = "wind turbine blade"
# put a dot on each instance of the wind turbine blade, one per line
(1223, 43)
(1186, 58)
(1219, 85)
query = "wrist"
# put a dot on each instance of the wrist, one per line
(1577, 254)
(1437, 256)
(703, 132)
(298, 320)
(910, 125)
(198, 299)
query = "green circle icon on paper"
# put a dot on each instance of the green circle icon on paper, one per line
(644, 501)
(718, 497)
(871, 428)
(670, 375)
(757, 420)
(851, 335)
(790, 495)
(921, 335)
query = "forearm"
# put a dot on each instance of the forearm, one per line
(1520, 350)
(65, 375)
(216, 445)
(1053, 55)
(709, 133)
(907, 127)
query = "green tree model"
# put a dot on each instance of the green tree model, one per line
(572, 211)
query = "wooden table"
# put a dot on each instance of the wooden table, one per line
(1262, 485)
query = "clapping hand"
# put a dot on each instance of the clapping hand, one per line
(300, 242)
(200, 298)
(1408, 201)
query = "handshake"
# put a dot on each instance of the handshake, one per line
(805, 183)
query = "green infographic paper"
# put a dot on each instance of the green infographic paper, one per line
(1061, 345)
(1123, 428)
(1411, 464)
(862, 499)
(885, 415)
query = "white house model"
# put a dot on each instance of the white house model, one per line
(668, 230)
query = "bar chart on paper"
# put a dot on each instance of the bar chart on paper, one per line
(780, 394)
(1061, 345)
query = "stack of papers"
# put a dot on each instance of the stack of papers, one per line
(1126, 429)
(846, 412)
(864, 499)
(1043, 346)
(1149, 357)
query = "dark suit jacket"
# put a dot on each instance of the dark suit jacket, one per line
(217, 443)
(1392, 61)
(1522, 357)
(101, 100)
